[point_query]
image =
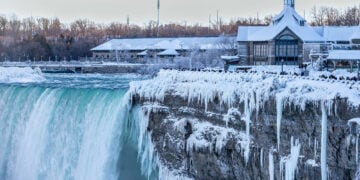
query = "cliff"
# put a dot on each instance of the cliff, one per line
(207, 125)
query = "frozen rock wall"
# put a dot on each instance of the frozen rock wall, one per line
(208, 125)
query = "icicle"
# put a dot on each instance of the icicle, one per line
(323, 141)
(290, 161)
(357, 149)
(279, 110)
(247, 121)
(271, 166)
(261, 157)
(247, 116)
(315, 148)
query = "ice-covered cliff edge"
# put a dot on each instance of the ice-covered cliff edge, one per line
(206, 124)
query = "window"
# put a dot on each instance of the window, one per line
(260, 49)
(286, 48)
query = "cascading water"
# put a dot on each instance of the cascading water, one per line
(56, 130)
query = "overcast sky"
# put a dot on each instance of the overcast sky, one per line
(141, 11)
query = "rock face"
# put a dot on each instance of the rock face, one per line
(277, 140)
(228, 162)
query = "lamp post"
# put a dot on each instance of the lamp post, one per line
(282, 67)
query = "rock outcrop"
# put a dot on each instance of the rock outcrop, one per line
(272, 130)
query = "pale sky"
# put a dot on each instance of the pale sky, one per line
(141, 11)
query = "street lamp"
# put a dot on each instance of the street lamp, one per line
(282, 67)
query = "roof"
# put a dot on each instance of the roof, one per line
(356, 34)
(344, 55)
(142, 44)
(336, 33)
(290, 19)
(168, 52)
(142, 53)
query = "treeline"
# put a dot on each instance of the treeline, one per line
(43, 39)
(329, 16)
(49, 38)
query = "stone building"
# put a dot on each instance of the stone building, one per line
(290, 40)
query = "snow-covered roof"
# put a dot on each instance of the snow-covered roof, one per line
(184, 43)
(168, 52)
(356, 34)
(245, 31)
(336, 33)
(287, 19)
(290, 19)
(229, 58)
(344, 55)
(142, 53)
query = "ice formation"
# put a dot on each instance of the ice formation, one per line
(20, 75)
(250, 90)
(271, 165)
(290, 162)
(323, 141)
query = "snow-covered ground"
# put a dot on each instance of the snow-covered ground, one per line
(20, 75)
(292, 70)
(230, 87)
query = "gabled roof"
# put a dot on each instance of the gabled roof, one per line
(288, 18)
(168, 52)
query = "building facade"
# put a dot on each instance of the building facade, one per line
(290, 40)
(144, 48)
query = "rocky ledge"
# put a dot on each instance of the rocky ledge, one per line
(251, 126)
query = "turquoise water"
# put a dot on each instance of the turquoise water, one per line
(67, 127)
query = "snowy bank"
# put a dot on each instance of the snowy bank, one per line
(20, 75)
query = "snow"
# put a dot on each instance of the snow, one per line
(168, 52)
(20, 75)
(289, 18)
(356, 34)
(354, 120)
(206, 135)
(336, 33)
(231, 115)
(230, 58)
(251, 90)
(185, 43)
(312, 163)
(142, 53)
(344, 55)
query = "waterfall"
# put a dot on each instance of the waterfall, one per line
(63, 133)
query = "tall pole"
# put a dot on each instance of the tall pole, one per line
(158, 18)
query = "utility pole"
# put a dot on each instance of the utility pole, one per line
(158, 18)
(209, 24)
(217, 20)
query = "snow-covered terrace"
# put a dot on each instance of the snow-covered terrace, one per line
(230, 87)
